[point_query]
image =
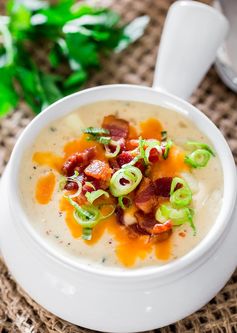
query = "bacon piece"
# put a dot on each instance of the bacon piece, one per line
(99, 170)
(138, 230)
(78, 161)
(140, 165)
(71, 186)
(100, 184)
(119, 215)
(87, 188)
(146, 221)
(145, 197)
(124, 158)
(158, 238)
(162, 186)
(154, 155)
(118, 128)
(113, 163)
(162, 227)
(147, 224)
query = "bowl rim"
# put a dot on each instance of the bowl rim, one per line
(186, 262)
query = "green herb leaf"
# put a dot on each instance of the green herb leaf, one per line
(71, 34)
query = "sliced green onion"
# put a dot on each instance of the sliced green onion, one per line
(88, 216)
(78, 192)
(176, 181)
(96, 131)
(200, 145)
(131, 175)
(177, 216)
(134, 161)
(92, 196)
(167, 146)
(163, 135)
(86, 233)
(121, 204)
(84, 213)
(76, 174)
(198, 158)
(152, 145)
(105, 140)
(90, 185)
(182, 196)
(141, 144)
(62, 182)
(108, 152)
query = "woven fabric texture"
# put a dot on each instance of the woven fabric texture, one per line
(18, 312)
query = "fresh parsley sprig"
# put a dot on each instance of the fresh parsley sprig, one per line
(72, 35)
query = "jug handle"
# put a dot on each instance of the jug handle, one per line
(191, 36)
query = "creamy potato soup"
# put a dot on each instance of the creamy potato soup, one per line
(122, 184)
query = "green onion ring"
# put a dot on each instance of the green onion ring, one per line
(182, 196)
(120, 201)
(177, 216)
(131, 174)
(200, 145)
(108, 153)
(152, 145)
(198, 158)
(92, 196)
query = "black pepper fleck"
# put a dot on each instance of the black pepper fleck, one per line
(53, 129)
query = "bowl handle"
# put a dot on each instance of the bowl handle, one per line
(191, 36)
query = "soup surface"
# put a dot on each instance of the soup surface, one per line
(142, 221)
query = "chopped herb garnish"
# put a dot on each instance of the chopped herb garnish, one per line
(96, 131)
(167, 146)
(87, 233)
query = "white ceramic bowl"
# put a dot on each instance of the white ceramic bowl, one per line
(107, 300)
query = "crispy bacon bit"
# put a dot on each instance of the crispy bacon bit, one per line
(145, 197)
(98, 170)
(119, 215)
(124, 158)
(140, 165)
(87, 188)
(78, 160)
(118, 127)
(147, 225)
(71, 186)
(113, 163)
(182, 234)
(162, 227)
(154, 155)
(100, 184)
(138, 230)
(132, 144)
(146, 221)
(163, 186)
(158, 238)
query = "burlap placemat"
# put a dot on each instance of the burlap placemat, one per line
(18, 313)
